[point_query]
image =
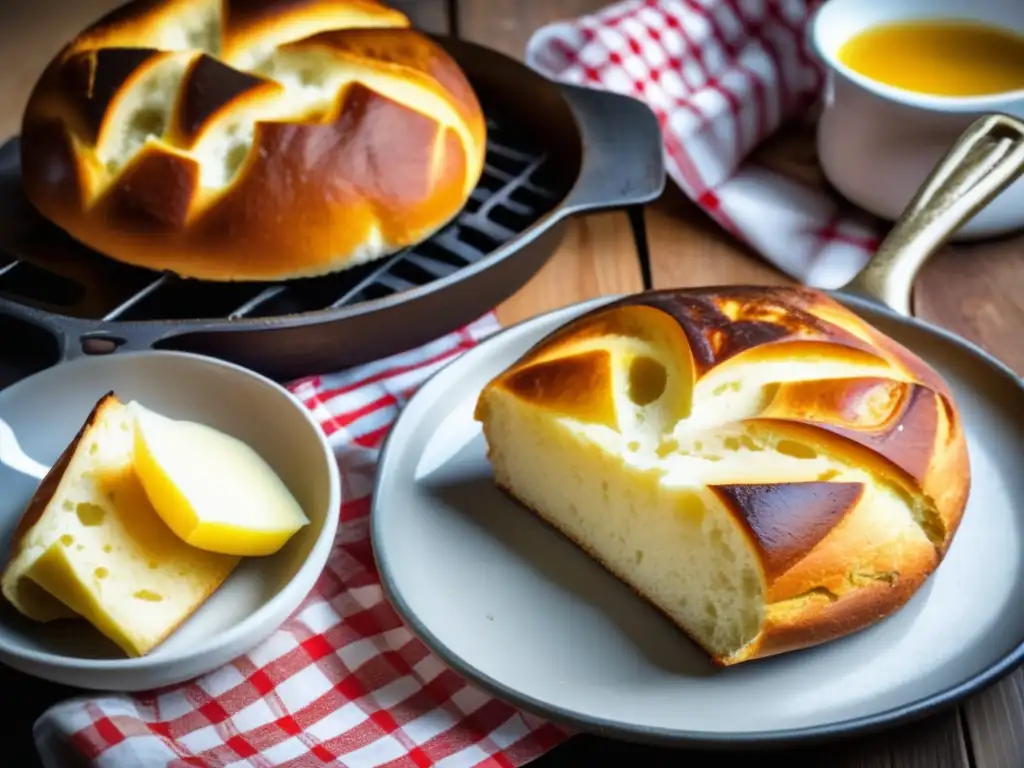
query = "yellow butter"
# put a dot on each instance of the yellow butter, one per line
(213, 490)
(939, 57)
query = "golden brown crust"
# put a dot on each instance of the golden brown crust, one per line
(138, 20)
(90, 82)
(920, 441)
(825, 617)
(836, 555)
(259, 22)
(245, 174)
(48, 157)
(248, 15)
(941, 502)
(151, 197)
(577, 386)
(786, 521)
(401, 51)
(721, 324)
(920, 437)
(208, 88)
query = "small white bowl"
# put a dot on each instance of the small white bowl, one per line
(47, 409)
(876, 143)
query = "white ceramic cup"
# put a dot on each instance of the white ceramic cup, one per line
(876, 143)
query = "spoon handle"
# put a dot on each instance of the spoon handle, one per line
(14, 457)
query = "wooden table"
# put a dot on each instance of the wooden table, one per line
(977, 292)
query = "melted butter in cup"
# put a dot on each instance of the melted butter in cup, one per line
(904, 79)
(945, 57)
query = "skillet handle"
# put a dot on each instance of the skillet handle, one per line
(623, 157)
(985, 160)
(83, 338)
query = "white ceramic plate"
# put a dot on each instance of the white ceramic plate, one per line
(515, 607)
(47, 409)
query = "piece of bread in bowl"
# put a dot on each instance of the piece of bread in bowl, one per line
(90, 544)
(231, 140)
(760, 464)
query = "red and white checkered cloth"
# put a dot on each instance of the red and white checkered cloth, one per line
(342, 682)
(721, 75)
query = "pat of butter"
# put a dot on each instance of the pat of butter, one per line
(213, 490)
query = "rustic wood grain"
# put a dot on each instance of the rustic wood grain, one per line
(598, 255)
(937, 742)
(933, 743)
(688, 250)
(596, 258)
(428, 15)
(995, 725)
(506, 25)
(977, 291)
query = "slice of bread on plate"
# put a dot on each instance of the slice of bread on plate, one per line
(90, 544)
(760, 464)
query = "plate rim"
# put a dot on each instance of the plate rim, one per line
(659, 735)
(253, 627)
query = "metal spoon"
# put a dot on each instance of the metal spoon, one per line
(14, 457)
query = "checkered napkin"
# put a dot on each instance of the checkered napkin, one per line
(722, 76)
(342, 682)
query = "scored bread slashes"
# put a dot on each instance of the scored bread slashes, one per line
(760, 464)
(90, 544)
(242, 140)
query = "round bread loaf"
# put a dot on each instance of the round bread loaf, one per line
(760, 464)
(251, 140)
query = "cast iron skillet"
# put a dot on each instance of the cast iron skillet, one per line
(448, 489)
(607, 153)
